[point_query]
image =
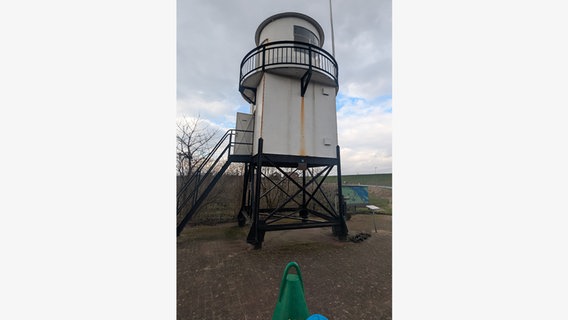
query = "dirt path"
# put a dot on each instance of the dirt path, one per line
(219, 276)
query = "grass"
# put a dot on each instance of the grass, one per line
(379, 179)
(382, 203)
(215, 212)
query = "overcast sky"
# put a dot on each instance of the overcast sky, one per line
(214, 36)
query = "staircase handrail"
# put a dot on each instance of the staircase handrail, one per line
(201, 178)
(182, 204)
(204, 162)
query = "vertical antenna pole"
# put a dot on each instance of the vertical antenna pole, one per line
(332, 37)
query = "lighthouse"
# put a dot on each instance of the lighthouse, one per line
(291, 84)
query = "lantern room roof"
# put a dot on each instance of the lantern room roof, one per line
(288, 15)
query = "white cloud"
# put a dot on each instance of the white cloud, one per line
(222, 112)
(365, 137)
(202, 123)
(367, 90)
(364, 49)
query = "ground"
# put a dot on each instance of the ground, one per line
(220, 276)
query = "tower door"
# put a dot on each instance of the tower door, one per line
(244, 134)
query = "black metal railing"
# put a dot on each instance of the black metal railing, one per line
(207, 165)
(288, 54)
(203, 179)
(233, 143)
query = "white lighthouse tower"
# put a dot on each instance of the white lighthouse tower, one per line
(291, 84)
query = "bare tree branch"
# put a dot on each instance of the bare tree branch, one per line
(193, 143)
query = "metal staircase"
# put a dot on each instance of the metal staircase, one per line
(195, 190)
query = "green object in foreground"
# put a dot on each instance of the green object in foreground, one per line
(291, 304)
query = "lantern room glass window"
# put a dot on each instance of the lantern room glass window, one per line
(302, 34)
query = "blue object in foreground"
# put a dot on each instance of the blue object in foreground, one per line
(317, 317)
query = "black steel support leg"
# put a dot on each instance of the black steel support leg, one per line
(256, 235)
(241, 218)
(341, 230)
(304, 209)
